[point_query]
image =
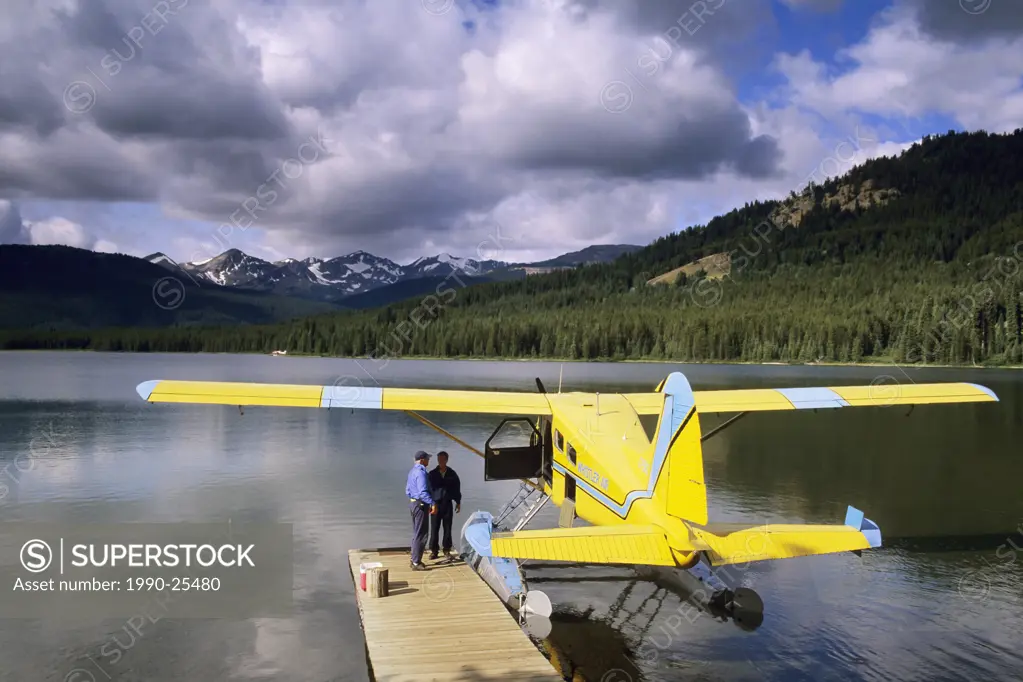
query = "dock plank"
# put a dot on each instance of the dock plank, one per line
(447, 604)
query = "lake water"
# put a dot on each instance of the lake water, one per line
(940, 602)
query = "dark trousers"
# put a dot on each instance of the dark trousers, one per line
(444, 516)
(419, 512)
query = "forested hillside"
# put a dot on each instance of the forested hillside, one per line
(915, 259)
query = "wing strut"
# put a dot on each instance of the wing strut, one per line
(721, 427)
(439, 429)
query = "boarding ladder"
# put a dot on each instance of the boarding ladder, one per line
(531, 497)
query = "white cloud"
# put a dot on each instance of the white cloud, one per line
(59, 231)
(436, 134)
(56, 230)
(901, 70)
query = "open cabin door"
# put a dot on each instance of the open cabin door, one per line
(515, 450)
(548, 451)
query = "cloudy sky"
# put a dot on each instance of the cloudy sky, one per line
(511, 129)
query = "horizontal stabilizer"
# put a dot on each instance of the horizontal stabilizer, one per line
(731, 543)
(645, 545)
(769, 399)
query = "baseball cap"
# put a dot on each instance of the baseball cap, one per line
(421, 454)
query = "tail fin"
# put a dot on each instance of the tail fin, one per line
(677, 445)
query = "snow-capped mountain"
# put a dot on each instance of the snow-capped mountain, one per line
(331, 279)
(360, 272)
(233, 268)
(445, 264)
(355, 273)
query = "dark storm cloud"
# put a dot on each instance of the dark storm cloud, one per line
(143, 72)
(95, 24)
(26, 102)
(12, 228)
(970, 20)
(74, 174)
(230, 166)
(728, 32)
(429, 199)
(657, 16)
(168, 69)
(736, 36)
(815, 5)
(688, 148)
(185, 107)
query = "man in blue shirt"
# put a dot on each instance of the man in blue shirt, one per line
(417, 489)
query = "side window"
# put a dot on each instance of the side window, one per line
(559, 441)
(571, 453)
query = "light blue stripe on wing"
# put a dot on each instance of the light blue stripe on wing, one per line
(145, 389)
(812, 398)
(356, 397)
(985, 389)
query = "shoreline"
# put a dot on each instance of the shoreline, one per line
(875, 363)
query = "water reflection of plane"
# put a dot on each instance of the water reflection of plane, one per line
(697, 587)
(582, 647)
(583, 644)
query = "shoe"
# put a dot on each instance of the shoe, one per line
(419, 567)
(449, 553)
(433, 555)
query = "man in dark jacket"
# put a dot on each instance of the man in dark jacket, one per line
(447, 491)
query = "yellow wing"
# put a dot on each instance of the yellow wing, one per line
(875, 395)
(343, 396)
(514, 403)
(645, 545)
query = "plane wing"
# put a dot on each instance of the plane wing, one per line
(356, 397)
(630, 545)
(875, 395)
(519, 403)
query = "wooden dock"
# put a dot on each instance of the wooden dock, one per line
(441, 625)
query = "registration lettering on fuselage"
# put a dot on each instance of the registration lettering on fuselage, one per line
(592, 476)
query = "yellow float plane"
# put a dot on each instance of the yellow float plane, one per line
(590, 453)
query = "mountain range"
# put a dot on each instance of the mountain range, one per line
(915, 259)
(66, 288)
(343, 277)
(62, 288)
